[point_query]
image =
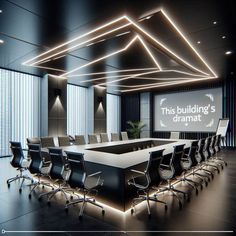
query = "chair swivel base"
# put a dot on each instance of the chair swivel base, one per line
(173, 190)
(142, 198)
(18, 177)
(37, 184)
(83, 201)
(191, 183)
(53, 192)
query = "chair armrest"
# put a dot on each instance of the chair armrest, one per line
(46, 162)
(163, 165)
(97, 173)
(138, 171)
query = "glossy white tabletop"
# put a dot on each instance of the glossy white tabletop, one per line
(124, 160)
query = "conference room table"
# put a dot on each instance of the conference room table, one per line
(115, 159)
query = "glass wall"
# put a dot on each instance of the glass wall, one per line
(113, 114)
(77, 110)
(20, 108)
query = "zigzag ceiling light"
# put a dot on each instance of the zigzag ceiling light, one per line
(124, 25)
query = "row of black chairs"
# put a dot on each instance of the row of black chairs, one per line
(177, 166)
(78, 139)
(67, 173)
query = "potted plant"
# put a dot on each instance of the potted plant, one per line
(135, 128)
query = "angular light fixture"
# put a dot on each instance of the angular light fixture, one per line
(99, 34)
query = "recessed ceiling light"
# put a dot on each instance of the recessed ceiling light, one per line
(1, 41)
(198, 42)
(0, 11)
(214, 22)
(228, 52)
(223, 37)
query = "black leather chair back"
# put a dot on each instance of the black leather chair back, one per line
(58, 163)
(79, 140)
(176, 159)
(217, 144)
(212, 145)
(153, 166)
(193, 152)
(78, 171)
(201, 145)
(206, 149)
(36, 158)
(17, 154)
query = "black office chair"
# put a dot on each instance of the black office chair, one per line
(79, 140)
(59, 173)
(207, 155)
(38, 166)
(170, 168)
(202, 160)
(214, 149)
(64, 141)
(92, 138)
(147, 180)
(218, 149)
(199, 164)
(189, 161)
(80, 180)
(115, 137)
(104, 138)
(20, 163)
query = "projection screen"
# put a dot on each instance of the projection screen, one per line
(195, 111)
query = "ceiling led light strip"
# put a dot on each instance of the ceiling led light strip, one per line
(118, 76)
(170, 83)
(79, 37)
(107, 77)
(149, 52)
(111, 72)
(138, 28)
(187, 41)
(50, 68)
(77, 45)
(165, 48)
(129, 77)
(112, 54)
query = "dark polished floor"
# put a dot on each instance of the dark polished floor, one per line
(213, 209)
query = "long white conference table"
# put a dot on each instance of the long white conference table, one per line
(115, 159)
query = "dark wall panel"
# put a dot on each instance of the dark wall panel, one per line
(100, 110)
(57, 102)
(229, 109)
(130, 109)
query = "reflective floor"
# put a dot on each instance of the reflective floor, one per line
(213, 209)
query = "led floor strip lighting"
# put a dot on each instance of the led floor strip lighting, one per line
(116, 26)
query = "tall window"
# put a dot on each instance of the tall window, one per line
(113, 114)
(77, 110)
(20, 108)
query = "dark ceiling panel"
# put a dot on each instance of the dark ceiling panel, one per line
(30, 27)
